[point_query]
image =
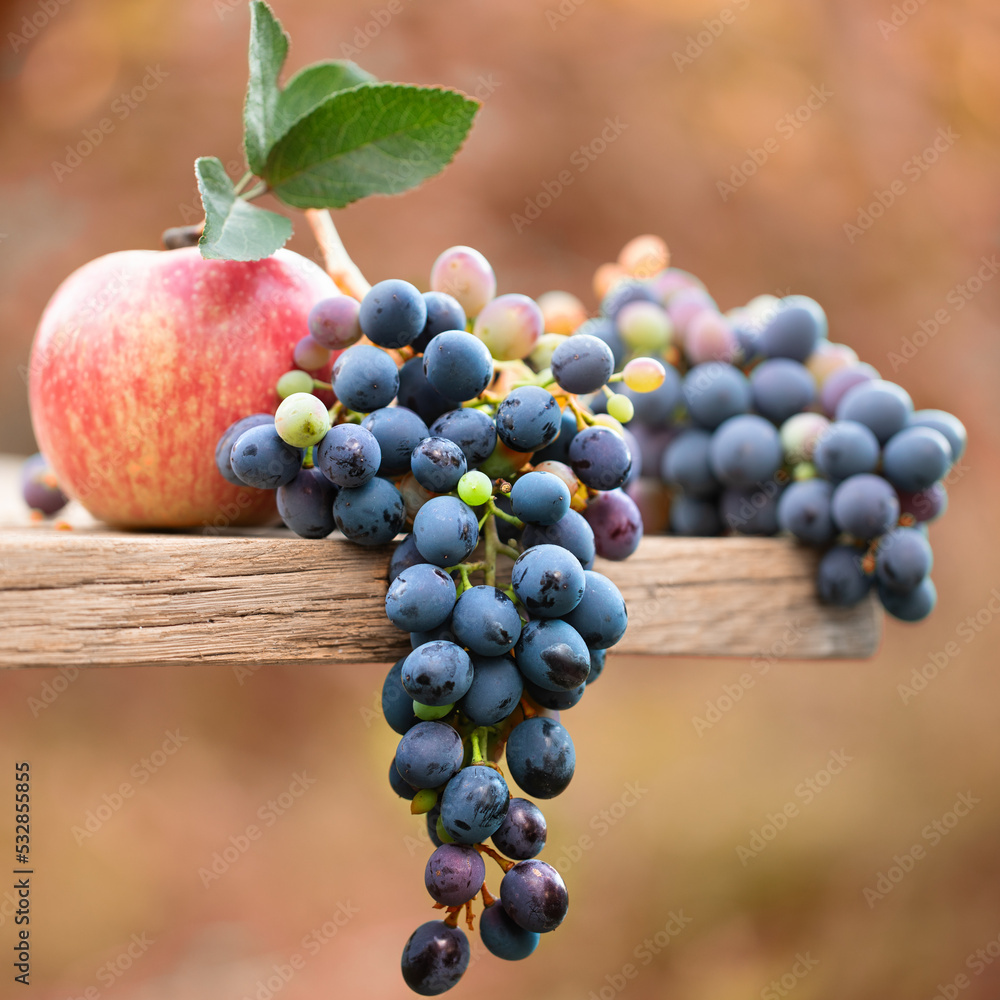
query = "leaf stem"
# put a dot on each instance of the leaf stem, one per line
(243, 181)
(256, 191)
(336, 259)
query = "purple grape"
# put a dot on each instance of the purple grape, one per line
(306, 504)
(534, 896)
(434, 958)
(841, 382)
(454, 874)
(333, 322)
(522, 834)
(616, 523)
(41, 492)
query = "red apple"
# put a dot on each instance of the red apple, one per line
(143, 358)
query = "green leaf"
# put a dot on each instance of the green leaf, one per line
(313, 85)
(378, 138)
(234, 229)
(268, 49)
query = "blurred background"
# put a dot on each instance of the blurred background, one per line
(753, 136)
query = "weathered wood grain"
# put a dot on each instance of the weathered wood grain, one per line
(93, 597)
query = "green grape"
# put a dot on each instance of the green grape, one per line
(443, 835)
(294, 381)
(424, 801)
(475, 488)
(621, 408)
(541, 354)
(302, 420)
(431, 712)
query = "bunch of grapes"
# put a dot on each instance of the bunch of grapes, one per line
(442, 430)
(763, 425)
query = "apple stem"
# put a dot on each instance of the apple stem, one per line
(336, 259)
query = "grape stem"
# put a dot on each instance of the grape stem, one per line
(478, 740)
(503, 515)
(583, 419)
(488, 898)
(498, 858)
(337, 261)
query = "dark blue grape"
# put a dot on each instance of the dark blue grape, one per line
(474, 804)
(431, 818)
(845, 449)
(558, 450)
(804, 510)
(600, 458)
(916, 458)
(548, 580)
(781, 388)
(841, 579)
(454, 874)
(622, 294)
(437, 673)
(472, 430)
(434, 958)
(306, 504)
(635, 457)
(903, 559)
(539, 498)
(751, 512)
(865, 506)
(458, 364)
(597, 661)
(443, 313)
(528, 419)
(616, 523)
(393, 313)
(223, 450)
(582, 363)
(429, 754)
(534, 896)
(883, 407)
(686, 464)
(557, 701)
(349, 455)
(694, 518)
(443, 631)
(261, 459)
(396, 783)
(792, 332)
(398, 431)
(657, 408)
(571, 532)
(495, 692)
(417, 394)
(503, 938)
(605, 329)
(552, 655)
(397, 705)
(438, 464)
(446, 531)
(948, 424)
(523, 832)
(714, 392)
(600, 617)
(365, 378)
(913, 606)
(745, 450)
(403, 555)
(486, 621)
(372, 514)
(420, 598)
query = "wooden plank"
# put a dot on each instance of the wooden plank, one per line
(94, 597)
